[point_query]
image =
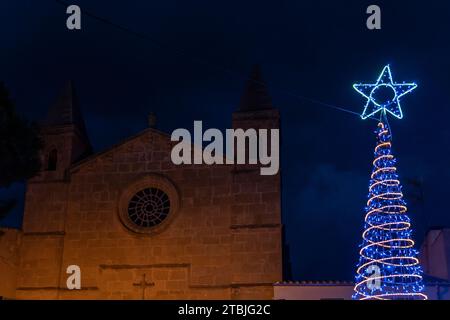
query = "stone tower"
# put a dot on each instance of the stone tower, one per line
(256, 212)
(255, 110)
(64, 135)
(65, 142)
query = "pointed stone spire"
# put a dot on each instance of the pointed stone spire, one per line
(152, 120)
(66, 111)
(256, 96)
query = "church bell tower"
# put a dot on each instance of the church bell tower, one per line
(64, 135)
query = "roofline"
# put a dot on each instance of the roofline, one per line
(315, 283)
(344, 283)
(437, 228)
(81, 163)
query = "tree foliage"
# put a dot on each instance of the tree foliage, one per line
(19, 147)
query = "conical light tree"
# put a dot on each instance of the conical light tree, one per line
(388, 267)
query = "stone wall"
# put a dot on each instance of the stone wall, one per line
(9, 243)
(434, 253)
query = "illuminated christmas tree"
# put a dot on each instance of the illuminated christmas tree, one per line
(388, 267)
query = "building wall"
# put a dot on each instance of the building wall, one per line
(256, 217)
(341, 291)
(224, 242)
(9, 243)
(313, 292)
(43, 238)
(438, 291)
(434, 256)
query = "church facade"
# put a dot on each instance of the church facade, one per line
(140, 227)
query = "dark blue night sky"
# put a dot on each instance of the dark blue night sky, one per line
(192, 64)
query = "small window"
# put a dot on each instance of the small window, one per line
(52, 160)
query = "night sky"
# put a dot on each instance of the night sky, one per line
(189, 62)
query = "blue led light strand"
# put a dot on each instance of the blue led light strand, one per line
(391, 105)
(387, 244)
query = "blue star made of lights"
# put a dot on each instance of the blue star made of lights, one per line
(376, 102)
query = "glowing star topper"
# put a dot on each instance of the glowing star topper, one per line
(384, 95)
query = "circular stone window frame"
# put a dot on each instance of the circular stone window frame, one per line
(150, 181)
